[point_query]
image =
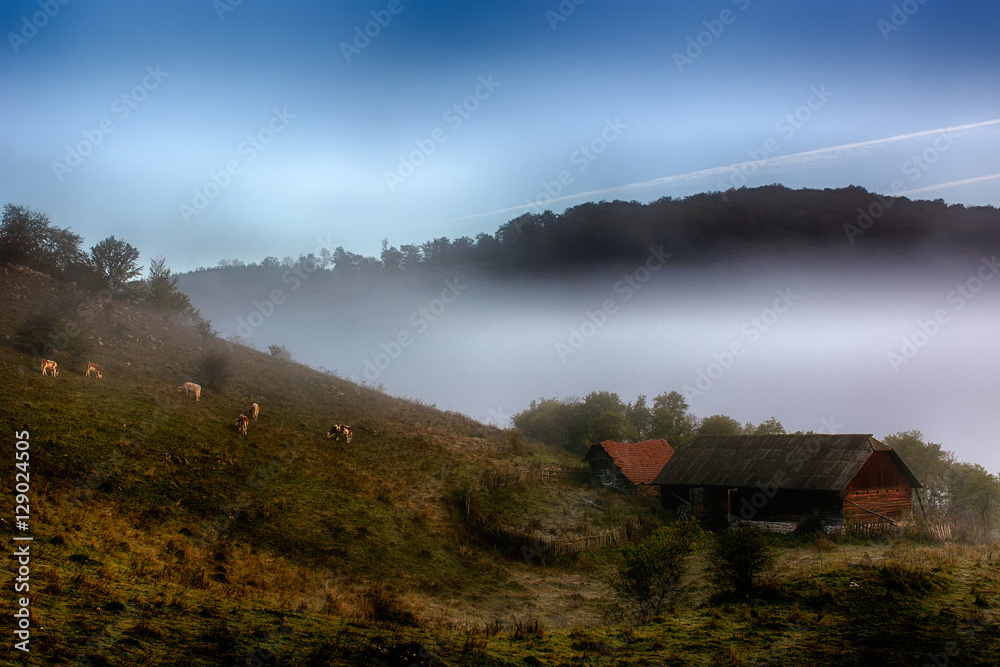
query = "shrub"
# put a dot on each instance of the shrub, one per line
(527, 627)
(740, 557)
(48, 335)
(214, 369)
(649, 572)
(204, 327)
(36, 332)
(280, 351)
(379, 603)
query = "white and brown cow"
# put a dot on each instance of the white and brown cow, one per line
(338, 430)
(254, 411)
(191, 388)
(241, 423)
(48, 365)
(91, 366)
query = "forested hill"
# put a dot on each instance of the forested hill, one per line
(699, 228)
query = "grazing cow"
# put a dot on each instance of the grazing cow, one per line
(241, 423)
(48, 365)
(254, 411)
(91, 366)
(189, 388)
(337, 430)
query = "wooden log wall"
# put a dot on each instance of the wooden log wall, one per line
(875, 505)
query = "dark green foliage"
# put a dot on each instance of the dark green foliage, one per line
(768, 427)
(27, 237)
(37, 332)
(672, 421)
(280, 351)
(739, 557)
(115, 263)
(602, 415)
(719, 425)
(649, 572)
(215, 370)
(161, 292)
(204, 327)
(51, 336)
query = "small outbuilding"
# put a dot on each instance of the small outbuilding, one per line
(628, 467)
(783, 480)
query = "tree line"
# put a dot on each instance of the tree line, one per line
(717, 224)
(602, 415)
(29, 238)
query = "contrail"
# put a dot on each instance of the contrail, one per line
(950, 184)
(782, 160)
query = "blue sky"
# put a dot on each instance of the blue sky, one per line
(337, 139)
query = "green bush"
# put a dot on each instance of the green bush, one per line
(47, 335)
(214, 370)
(649, 572)
(280, 351)
(739, 557)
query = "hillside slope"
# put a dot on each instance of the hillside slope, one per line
(162, 536)
(160, 490)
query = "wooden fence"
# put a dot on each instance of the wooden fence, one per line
(489, 479)
(880, 529)
(535, 545)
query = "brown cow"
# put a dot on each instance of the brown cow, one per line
(337, 430)
(241, 423)
(254, 411)
(91, 366)
(48, 365)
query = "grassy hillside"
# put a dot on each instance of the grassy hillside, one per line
(162, 536)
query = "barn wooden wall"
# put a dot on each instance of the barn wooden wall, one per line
(879, 472)
(897, 504)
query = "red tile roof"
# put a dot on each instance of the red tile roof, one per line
(640, 462)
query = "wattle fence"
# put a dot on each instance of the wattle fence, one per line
(489, 479)
(535, 546)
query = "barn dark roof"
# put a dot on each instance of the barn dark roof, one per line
(638, 461)
(809, 462)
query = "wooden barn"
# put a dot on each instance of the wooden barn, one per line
(782, 480)
(628, 467)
